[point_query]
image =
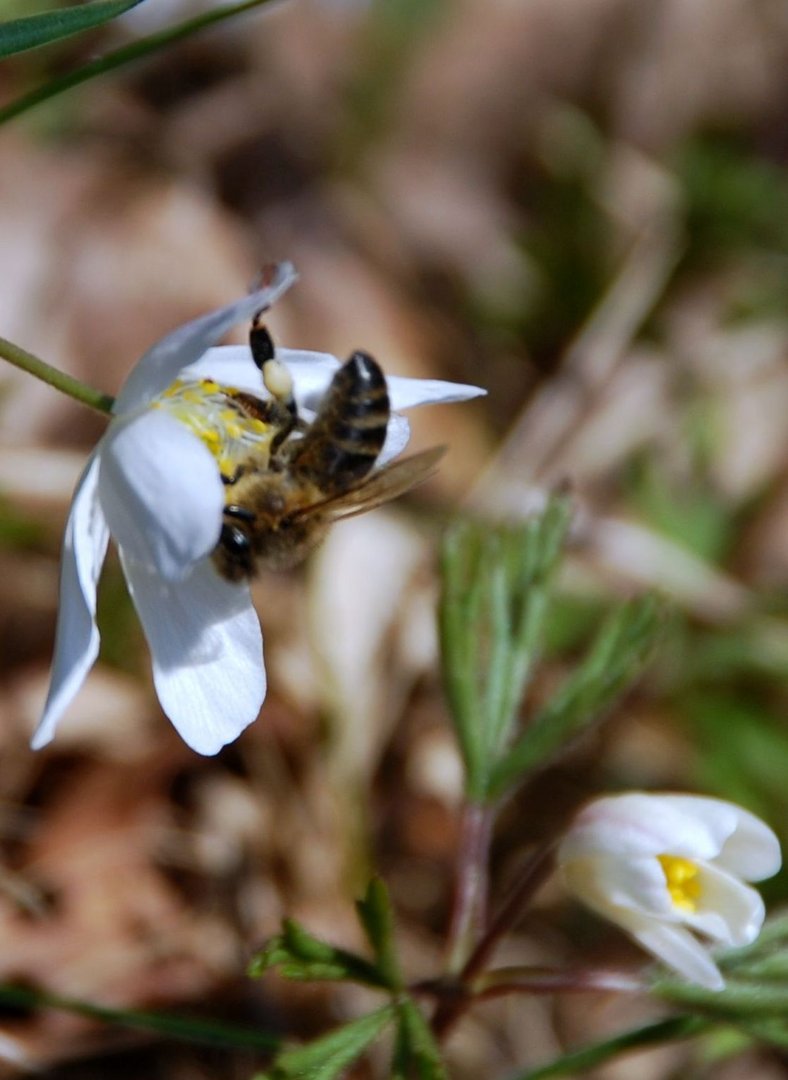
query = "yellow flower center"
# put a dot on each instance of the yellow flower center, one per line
(215, 415)
(682, 880)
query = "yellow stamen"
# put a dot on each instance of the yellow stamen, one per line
(681, 878)
(214, 413)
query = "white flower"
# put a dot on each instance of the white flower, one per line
(154, 485)
(664, 867)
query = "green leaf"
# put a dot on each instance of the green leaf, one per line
(32, 31)
(198, 1030)
(377, 918)
(496, 588)
(327, 1057)
(416, 1052)
(457, 613)
(298, 955)
(614, 661)
(740, 998)
(578, 1062)
(755, 996)
(772, 1030)
(143, 47)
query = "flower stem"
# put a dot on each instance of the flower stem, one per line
(536, 869)
(503, 982)
(454, 1005)
(470, 889)
(529, 980)
(67, 384)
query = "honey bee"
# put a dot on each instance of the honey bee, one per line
(280, 502)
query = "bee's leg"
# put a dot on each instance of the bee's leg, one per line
(276, 378)
(238, 512)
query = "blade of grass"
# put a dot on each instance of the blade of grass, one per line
(33, 31)
(461, 600)
(136, 50)
(577, 1062)
(189, 1029)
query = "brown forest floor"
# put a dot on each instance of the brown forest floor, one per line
(579, 204)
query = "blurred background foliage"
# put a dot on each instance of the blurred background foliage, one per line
(581, 205)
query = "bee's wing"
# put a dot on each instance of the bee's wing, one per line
(380, 487)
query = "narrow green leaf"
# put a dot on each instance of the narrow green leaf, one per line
(614, 661)
(457, 611)
(772, 1030)
(298, 955)
(531, 557)
(768, 969)
(377, 918)
(32, 31)
(400, 1058)
(500, 661)
(496, 585)
(578, 1062)
(136, 50)
(738, 999)
(416, 1052)
(198, 1030)
(327, 1057)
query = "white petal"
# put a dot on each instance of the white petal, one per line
(728, 910)
(164, 361)
(636, 899)
(747, 846)
(637, 824)
(312, 373)
(678, 949)
(77, 639)
(161, 492)
(407, 393)
(232, 365)
(207, 652)
(612, 886)
(397, 438)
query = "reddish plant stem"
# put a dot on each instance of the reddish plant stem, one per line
(536, 870)
(469, 907)
(522, 980)
(544, 981)
(457, 1000)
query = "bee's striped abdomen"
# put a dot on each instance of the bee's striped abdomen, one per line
(348, 433)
